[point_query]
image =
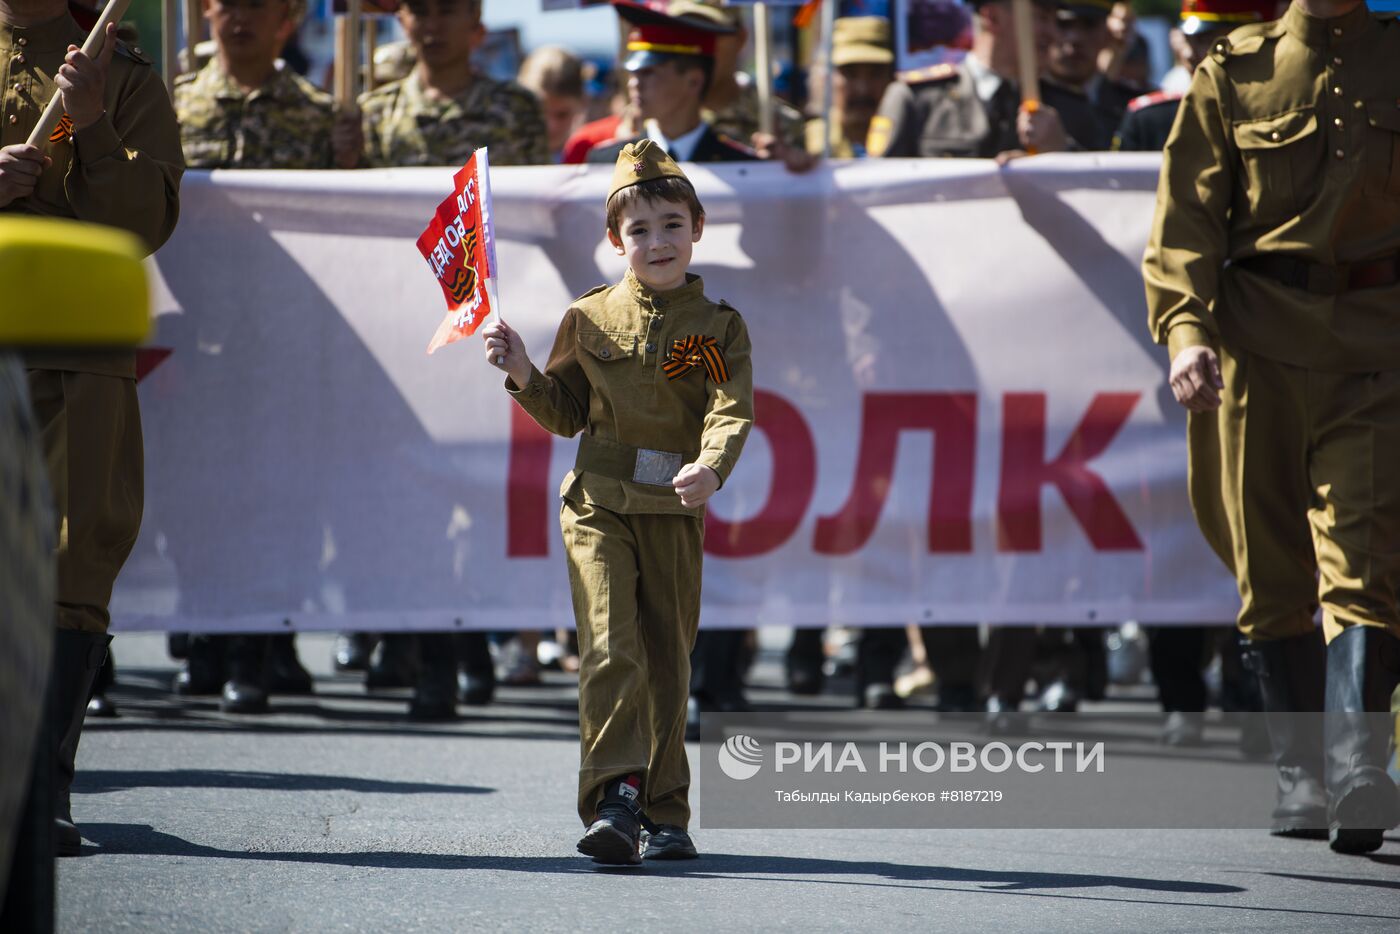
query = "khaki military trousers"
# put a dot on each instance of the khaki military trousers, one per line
(1295, 486)
(636, 590)
(91, 431)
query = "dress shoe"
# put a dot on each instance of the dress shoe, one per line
(245, 691)
(203, 671)
(99, 705)
(1058, 697)
(392, 665)
(352, 651)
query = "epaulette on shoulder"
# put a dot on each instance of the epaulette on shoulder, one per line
(943, 72)
(1153, 99)
(725, 304)
(310, 91)
(592, 292)
(1246, 40)
(133, 52)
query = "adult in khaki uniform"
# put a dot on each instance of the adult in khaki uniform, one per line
(1273, 276)
(439, 115)
(864, 67)
(244, 110)
(115, 160)
(658, 379)
(971, 109)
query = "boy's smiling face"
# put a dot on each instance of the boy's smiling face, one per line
(657, 238)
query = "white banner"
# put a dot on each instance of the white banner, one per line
(960, 415)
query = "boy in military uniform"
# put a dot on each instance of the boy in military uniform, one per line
(1273, 277)
(245, 110)
(658, 379)
(446, 109)
(114, 159)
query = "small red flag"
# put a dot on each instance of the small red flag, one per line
(459, 248)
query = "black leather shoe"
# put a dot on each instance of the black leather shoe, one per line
(804, 662)
(670, 842)
(203, 672)
(392, 665)
(99, 705)
(285, 672)
(352, 651)
(245, 691)
(1058, 697)
(615, 836)
(1363, 669)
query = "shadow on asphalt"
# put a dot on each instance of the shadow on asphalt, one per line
(100, 781)
(144, 840)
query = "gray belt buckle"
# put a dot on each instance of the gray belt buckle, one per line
(656, 468)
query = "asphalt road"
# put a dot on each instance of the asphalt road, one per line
(334, 814)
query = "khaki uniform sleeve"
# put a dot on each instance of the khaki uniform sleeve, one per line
(729, 409)
(894, 132)
(557, 399)
(126, 167)
(1189, 241)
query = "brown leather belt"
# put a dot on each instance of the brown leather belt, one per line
(624, 462)
(1321, 279)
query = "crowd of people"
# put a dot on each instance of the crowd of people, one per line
(680, 86)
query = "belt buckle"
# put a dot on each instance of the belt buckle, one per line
(656, 468)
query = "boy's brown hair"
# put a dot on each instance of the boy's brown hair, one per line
(669, 188)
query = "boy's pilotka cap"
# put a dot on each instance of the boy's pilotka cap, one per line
(643, 161)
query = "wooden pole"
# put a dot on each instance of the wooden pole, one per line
(1027, 61)
(763, 65)
(371, 42)
(194, 31)
(169, 48)
(828, 50)
(115, 10)
(347, 55)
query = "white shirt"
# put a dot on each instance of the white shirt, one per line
(682, 147)
(986, 81)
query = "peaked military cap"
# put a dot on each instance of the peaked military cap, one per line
(643, 161)
(656, 37)
(1198, 16)
(861, 40)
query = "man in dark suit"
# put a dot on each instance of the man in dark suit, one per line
(670, 65)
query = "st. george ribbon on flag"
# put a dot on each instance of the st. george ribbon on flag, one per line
(460, 248)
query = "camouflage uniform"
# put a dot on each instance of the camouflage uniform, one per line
(740, 119)
(403, 126)
(285, 124)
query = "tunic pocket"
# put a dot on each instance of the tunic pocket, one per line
(1383, 148)
(608, 346)
(1280, 159)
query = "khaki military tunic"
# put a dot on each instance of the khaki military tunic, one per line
(1281, 175)
(634, 552)
(404, 126)
(285, 124)
(841, 148)
(739, 120)
(124, 171)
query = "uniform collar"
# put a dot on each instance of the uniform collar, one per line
(215, 80)
(57, 33)
(682, 148)
(694, 288)
(1321, 32)
(465, 101)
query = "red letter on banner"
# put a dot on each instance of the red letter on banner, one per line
(1024, 471)
(789, 493)
(529, 505)
(952, 417)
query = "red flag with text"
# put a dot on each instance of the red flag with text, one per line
(461, 251)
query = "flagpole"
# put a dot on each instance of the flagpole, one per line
(1027, 63)
(763, 65)
(828, 48)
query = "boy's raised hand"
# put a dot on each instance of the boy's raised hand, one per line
(505, 350)
(696, 483)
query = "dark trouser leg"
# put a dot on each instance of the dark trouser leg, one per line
(716, 672)
(435, 686)
(1005, 666)
(878, 652)
(477, 681)
(1176, 655)
(954, 653)
(805, 657)
(98, 704)
(28, 904)
(285, 673)
(1363, 670)
(245, 691)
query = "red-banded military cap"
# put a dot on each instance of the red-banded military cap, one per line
(1084, 9)
(657, 36)
(1198, 16)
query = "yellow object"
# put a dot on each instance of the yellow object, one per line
(68, 284)
(642, 161)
